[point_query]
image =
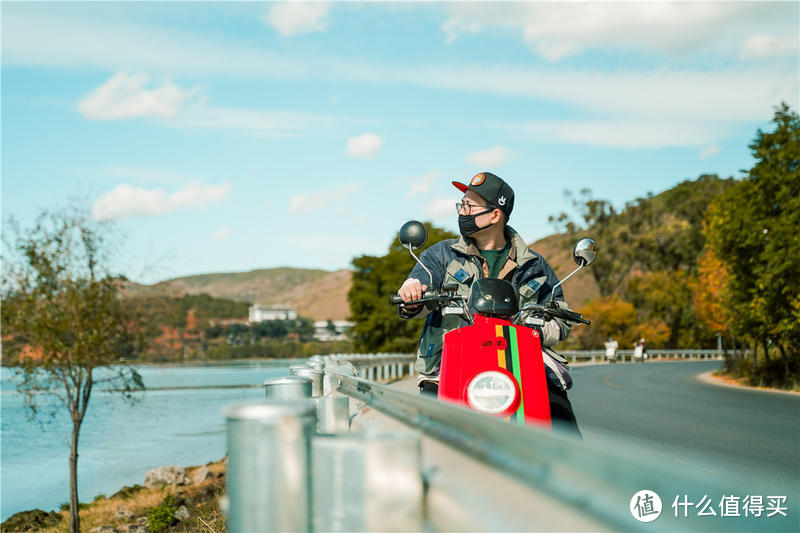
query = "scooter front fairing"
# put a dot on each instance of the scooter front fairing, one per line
(495, 367)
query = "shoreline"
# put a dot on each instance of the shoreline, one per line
(192, 503)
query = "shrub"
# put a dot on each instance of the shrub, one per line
(162, 517)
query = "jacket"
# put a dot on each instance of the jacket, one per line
(459, 261)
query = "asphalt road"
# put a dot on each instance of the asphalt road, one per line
(662, 410)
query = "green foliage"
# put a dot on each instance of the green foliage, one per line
(378, 327)
(162, 516)
(276, 349)
(648, 257)
(753, 227)
(63, 319)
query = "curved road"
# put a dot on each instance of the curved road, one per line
(662, 409)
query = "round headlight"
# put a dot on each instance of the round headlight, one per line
(491, 392)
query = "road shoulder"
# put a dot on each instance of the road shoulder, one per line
(708, 377)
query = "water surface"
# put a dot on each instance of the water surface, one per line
(177, 421)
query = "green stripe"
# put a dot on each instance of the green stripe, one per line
(514, 349)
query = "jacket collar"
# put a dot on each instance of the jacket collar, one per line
(520, 253)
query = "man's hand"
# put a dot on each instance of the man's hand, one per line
(412, 289)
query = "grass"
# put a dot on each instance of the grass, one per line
(202, 501)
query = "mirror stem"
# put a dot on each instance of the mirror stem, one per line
(553, 292)
(430, 287)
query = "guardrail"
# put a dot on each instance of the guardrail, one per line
(595, 356)
(519, 477)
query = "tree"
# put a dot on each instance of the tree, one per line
(378, 327)
(63, 322)
(753, 227)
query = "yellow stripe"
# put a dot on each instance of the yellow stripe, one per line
(501, 354)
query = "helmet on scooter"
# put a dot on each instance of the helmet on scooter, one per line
(493, 297)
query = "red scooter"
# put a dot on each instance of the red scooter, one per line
(494, 365)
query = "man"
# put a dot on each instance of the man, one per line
(488, 247)
(611, 350)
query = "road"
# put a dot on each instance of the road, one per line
(662, 410)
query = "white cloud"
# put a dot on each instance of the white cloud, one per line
(320, 199)
(441, 208)
(144, 174)
(125, 95)
(222, 234)
(127, 201)
(364, 146)
(556, 31)
(489, 158)
(766, 46)
(296, 17)
(621, 134)
(709, 151)
(423, 185)
(262, 123)
(49, 38)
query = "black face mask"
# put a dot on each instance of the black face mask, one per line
(467, 225)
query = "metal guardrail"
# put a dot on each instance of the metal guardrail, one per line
(594, 356)
(558, 482)
(595, 482)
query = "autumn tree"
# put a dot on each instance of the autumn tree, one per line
(753, 228)
(66, 331)
(378, 327)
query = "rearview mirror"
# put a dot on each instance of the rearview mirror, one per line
(585, 251)
(413, 234)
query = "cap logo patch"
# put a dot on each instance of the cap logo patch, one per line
(477, 180)
(501, 200)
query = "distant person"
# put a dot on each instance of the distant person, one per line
(638, 351)
(644, 349)
(611, 350)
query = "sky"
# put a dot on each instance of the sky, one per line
(225, 137)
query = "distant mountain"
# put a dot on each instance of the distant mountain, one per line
(313, 293)
(322, 295)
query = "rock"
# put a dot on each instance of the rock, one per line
(142, 520)
(103, 529)
(201, 474)
(165, 475)
(182, 513)
(123, 514)
(31, 520)
(133, 528)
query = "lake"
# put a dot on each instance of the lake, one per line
(120, 442)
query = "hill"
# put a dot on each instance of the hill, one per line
(313, 293)
(557, 250)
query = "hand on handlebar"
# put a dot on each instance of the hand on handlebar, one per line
(411, 290)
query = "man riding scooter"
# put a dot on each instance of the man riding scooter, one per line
(487, 248)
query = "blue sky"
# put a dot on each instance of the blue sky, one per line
(229, 137)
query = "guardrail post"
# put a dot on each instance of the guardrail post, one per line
(367, 482)
(314, 373)
(333, 414)
(372, 373)
(410, 369)
(288, 388)
(268, 460)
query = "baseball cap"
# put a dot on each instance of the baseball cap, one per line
(492, 189)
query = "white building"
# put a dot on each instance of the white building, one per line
(261, 313)
(322, 331)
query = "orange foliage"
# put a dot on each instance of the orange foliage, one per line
(708, 295)
(611, 316)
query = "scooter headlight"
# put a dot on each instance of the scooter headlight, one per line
(491, 392)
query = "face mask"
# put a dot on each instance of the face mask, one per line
(467, 225)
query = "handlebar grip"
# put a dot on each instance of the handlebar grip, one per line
(396, 299)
